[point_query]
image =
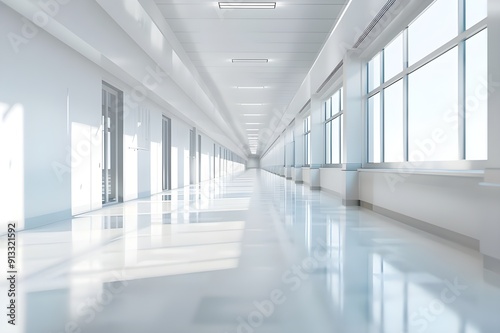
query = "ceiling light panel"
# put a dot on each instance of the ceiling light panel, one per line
(261, 87)
(250, 61)
(247, 5)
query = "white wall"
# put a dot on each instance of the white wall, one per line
(253, 163)
(447, 201)
(306, 175)
(332, 180)
(59, 93)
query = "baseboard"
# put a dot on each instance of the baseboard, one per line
(39, 221)
(425, 226)
(331, 192)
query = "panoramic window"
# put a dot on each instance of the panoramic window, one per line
(393, 58)
(437, 109)
(394, 123)
(374, 72)
(432, 97)
(333, 129)
(433, 28)
(475, 11)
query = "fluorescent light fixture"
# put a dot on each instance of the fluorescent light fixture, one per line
(253, 115)
(247, 5)
(253, 129)
(253, 123)
(261, 87)
(250, 104)
(251, 61)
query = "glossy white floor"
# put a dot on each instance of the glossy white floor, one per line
(255, 253)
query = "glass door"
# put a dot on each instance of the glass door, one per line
(109, 125)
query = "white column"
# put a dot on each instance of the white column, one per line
(489, 244)
(492, 174)
(299, 152)
(354, 147)
(317, 142)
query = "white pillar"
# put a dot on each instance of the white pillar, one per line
(317, 142)
(299, 152)
(354, 147)
(490, 221)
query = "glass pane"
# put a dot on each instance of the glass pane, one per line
(432, 105)
(476, 101)
(475, 11)
(374, 73)
(336, 141)
(393, 58)
(328, 108)
(374, 129)
(434, 28)
(341, 138)
(328, 143)
(336, 103)
(341, 94)
(393, 123)
(308, 149)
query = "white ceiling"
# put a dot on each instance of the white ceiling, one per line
(290, 36)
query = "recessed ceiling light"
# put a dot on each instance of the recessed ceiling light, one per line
(252, 61)
(247, 5)
(260, 87)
